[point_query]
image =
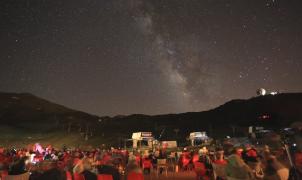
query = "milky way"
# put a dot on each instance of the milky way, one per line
(151, 57)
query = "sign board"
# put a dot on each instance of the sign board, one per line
(146, 134)
(142, 135)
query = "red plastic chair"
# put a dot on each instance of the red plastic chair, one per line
(200, 170)
(105, 177)
(195, 158)
(147, 163)
(68, 175)
(298, 158)
(77, 176)
(135, 176)
(185, 162)
(138, 159)
(4, 174)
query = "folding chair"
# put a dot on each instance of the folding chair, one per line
(77, 176)
(105, 177)
(162, 165)
(135, 176)
(68, 175)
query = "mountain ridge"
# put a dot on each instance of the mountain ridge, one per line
(27, 111)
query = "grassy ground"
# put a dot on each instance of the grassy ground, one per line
(10, 137)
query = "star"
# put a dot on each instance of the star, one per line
(149, 57)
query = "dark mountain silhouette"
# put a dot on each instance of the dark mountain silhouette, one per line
(30, 112)
(269, 111)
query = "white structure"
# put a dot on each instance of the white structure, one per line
(274, 93)
(197, 138)
(141, 139)
(261, 92)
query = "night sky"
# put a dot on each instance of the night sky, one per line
(110, 57)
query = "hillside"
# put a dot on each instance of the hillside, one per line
(31, 114)
(28, 111)
(278, 111)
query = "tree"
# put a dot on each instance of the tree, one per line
(176, 130)
(87, 132)
(69, 126)
(233, 127)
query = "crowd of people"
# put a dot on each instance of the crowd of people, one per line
(242, 163)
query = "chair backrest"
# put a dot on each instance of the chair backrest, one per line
(298, 158)
(105, 177)
(147, 163)
(4, 174)
(68, 175)
(77, 176)
(161, 161)
(185, 161)
(199, 168)
(135, 176)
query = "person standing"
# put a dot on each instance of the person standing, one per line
(237, 169)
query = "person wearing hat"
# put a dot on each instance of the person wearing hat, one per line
(237, 169)
(219, 165)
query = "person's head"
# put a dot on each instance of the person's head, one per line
(247, 147)
(237, 151)
(235, 161)
(298, 160)
(219, 154)
(266, 148)
(203, 151)
(77, 154)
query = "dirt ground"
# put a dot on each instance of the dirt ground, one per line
(187, 175)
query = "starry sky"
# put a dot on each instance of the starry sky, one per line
(111, 57)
